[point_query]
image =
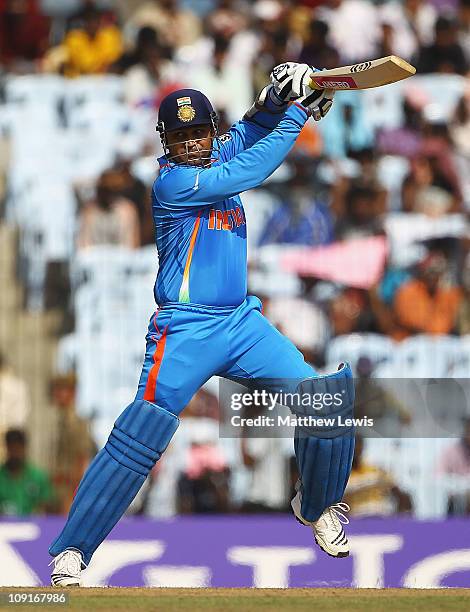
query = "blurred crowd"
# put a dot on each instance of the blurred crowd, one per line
(364, 230)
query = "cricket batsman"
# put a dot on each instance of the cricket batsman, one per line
(205, 324)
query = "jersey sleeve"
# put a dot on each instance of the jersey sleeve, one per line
(195, 187)
(245, 133)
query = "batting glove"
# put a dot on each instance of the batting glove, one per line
(317, 101)
(290, 80)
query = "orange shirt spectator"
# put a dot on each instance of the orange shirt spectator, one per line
(92, 49)
(425, 305)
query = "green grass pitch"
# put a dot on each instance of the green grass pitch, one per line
(251, 600)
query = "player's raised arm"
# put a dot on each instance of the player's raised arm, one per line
(194, 180)
(196, 186)
(289, 82)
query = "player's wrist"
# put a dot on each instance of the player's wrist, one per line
(298, 113)
(303, 108)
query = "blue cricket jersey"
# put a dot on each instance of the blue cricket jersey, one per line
(199, 218)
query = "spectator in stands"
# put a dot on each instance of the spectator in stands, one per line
(317, 51)
(381, 299)
(275, 45)
(196, 461)
(175, 26)
(431, 187)
(24, 488)
(357, 197)
(93, 48)
(409, 24)
(460, 126)
(464, 27)
(109, 219)
(355, 30)
(204, 486)
(459, 132)
(134, 190)
(225, 81)
(146, 38)
(125, 8)
(421, 16)
(72, 446)
(106, 9)
(267, 473)
(226, 19)
(418, 179)
(303, 322)
(386, 45)
(348, 312)
(428, 303)
(463, 315)
(371, 491)
(433, 202)
(24, 32)
(15, 406)
(437, 147)
(454, 469)
(204, 407)
(364, 207)
(267, 467)
(375, 401)
(299, 19)
(405, 139)
(368, 175)
(150, 73)
(444, 55)
(300, 218)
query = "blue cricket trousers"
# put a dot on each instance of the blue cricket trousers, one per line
(186, 345)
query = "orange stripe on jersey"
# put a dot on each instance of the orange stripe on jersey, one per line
(184, 290)
(151, 385)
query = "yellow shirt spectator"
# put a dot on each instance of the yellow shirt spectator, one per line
(87, 55)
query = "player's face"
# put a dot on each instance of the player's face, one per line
(191, 145)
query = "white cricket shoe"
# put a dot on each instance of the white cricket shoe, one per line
(328, 529)
(67, 569)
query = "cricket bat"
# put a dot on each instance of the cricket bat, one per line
(374, 73)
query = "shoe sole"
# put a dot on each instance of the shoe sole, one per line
(340, 555)
(66, 582)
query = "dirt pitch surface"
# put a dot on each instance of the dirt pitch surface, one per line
(249, 600)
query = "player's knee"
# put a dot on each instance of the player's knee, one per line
(331, 397)
(140, 435)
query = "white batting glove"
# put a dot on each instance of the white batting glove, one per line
(290, 80)
(317, 101)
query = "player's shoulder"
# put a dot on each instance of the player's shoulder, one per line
(226, 147)
(171, 179)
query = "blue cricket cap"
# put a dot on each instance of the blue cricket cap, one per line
(185, 107)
